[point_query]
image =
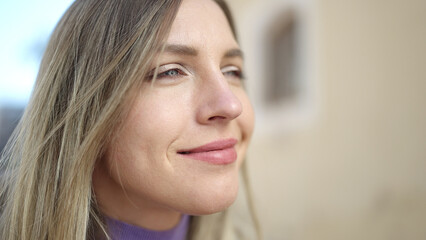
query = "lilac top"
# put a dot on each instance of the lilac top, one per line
(123, 231)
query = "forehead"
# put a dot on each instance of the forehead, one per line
(201, 23)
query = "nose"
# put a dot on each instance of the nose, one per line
(217, 101)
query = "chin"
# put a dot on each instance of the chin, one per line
(211, 201)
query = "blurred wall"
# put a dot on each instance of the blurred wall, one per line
(355, 165)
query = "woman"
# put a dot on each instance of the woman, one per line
(138, 120)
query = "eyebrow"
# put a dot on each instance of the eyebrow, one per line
(191, 51)
(181, 49)
(235, 52)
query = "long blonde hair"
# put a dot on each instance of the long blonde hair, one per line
(98, 53)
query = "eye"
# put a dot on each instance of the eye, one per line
(233, 72)
(169, 71)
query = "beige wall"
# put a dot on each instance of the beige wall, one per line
(357, 168)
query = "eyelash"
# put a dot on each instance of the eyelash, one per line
(163, 71)
(234, 72)
(164, 74)
(237, 73)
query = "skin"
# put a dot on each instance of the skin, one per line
(197, 98)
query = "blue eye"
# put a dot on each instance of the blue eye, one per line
(170, 73)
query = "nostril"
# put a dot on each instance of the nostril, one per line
(216, 117)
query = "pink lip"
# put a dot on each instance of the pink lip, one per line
(218, 152)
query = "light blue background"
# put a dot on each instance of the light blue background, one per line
(25, 27)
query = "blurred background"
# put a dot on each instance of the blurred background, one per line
(25, 27)
(339, 90)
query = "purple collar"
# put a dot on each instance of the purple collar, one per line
(123, 231)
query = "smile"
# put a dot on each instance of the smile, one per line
(219, 152)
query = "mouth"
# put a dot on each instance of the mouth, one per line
(219, 152)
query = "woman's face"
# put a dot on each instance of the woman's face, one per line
(187, 133)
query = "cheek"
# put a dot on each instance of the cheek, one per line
(142, 147)
(246, 119)
(155, 121)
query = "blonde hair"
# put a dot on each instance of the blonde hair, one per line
(98, 53)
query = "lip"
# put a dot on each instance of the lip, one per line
(218, 152)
